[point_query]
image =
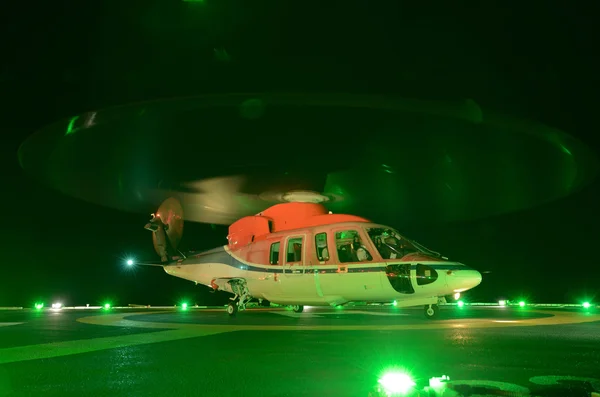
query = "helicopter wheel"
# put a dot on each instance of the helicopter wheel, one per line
(232, 308)
(297, 308)
(431, 311)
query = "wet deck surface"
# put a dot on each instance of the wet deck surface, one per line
(321, 352)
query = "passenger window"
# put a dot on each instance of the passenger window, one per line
(274, 257)
(425, 274)
(350, 247)
(294, 250)
(321, 246)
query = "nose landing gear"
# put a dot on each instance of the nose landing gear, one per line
(431, 311)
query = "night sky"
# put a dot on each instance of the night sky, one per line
(63, 58)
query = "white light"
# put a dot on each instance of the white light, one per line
(56, 305)
(394, 383)
(457, 296)
(129, 262)
(502, 303)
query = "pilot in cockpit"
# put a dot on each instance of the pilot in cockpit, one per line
(388, 246)
(359, 250)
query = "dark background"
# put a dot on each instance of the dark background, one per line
(534, 60)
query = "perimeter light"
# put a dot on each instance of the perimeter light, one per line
(106, 306)
(129, 262)
(39, 306)
(184, 306)
(586, 305)
(460, 303)
(396, 383)
(57, 305)
(522, 303)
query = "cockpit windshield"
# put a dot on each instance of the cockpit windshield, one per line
(392, 245)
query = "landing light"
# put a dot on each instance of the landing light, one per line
(129, 262)
(395, 303)
(586, 305)
(457, 296)
(396, 383)
(57, 305)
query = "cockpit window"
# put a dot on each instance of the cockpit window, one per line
(390, 244)
(350, 247)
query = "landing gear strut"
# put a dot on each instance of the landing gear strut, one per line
(242, 296)
(297, 308)
(431, 311)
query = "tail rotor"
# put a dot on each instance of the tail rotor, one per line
(166, 226)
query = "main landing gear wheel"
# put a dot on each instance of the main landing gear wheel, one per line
(232, 308)
(297, 308)
(431, 311)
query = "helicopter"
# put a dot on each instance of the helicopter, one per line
(300, 254)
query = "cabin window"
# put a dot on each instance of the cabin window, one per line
(425, 274)
(350, 247)
(321, 246)
(294, 249)
(274, 257)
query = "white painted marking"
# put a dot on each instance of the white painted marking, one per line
(367, 313)
(505, 321)
(8, 324)
(298, 315)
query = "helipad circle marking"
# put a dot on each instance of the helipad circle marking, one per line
(8, 324)
(558, 318)
(177, 331)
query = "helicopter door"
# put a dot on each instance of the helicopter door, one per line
(297, 281)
